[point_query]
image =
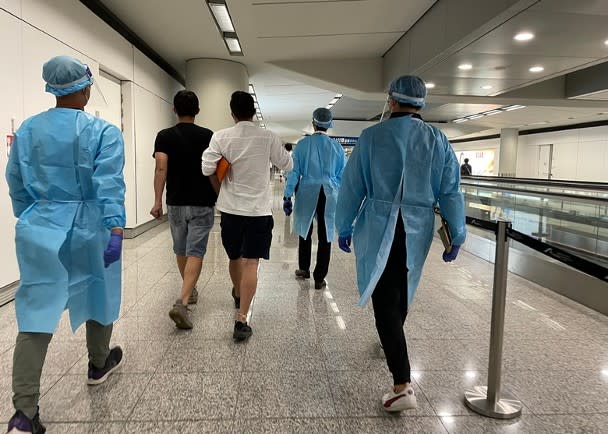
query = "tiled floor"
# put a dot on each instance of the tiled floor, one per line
(314, 363)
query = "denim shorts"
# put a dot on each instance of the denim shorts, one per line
(190, 227)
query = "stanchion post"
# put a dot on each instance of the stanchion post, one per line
(491, 401)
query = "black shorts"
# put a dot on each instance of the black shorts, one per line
(247, 237)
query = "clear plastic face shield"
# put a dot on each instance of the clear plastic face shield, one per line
(97, 98)
(385, 109)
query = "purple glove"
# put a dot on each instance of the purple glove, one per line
(287, 206)
(344, 243)
(449, 257)
(112, 252)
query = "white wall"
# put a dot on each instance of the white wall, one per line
(578, 154)
(31, 32)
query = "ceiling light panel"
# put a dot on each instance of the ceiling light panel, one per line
(222, 17)
(430, 85)
(486, 87)
(234, 46)
(465, 67)
(537, 69)
(513, 107)
(524, 36)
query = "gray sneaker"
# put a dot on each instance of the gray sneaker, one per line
(193, 297)
(180, 315)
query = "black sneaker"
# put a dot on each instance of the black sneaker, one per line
(97, 376)
(237, 300)
(242, 331)
(20, 423)
(302, 274)
(321, 284)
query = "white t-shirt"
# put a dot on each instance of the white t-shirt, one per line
(249, 150)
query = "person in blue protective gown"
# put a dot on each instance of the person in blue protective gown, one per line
(318, 165)
(399, 170)
(65, 178)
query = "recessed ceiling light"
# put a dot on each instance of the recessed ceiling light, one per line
(222, 16)
(492, 112)
(486, 87)
(606, 42)
(465, 66)
(524, 36)
(513, 107)
(234, 46)
(537, 69)
(477, 116)
(430, 85)
(459, 121)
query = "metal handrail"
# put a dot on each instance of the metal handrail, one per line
(584, 185)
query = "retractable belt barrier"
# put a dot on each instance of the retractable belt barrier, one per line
(490, 400)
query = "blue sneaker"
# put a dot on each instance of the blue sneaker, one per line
(20, 423)
(97, 376)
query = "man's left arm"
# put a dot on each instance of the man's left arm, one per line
(279, 155)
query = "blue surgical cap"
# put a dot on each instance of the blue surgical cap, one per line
(65, 75)
(323, 118)
(408, 89)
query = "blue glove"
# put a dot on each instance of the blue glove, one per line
(112, 252)
(287, 206)
(344, 243)
(449, 257)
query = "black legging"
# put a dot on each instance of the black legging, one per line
(390, 308)
(324, 247)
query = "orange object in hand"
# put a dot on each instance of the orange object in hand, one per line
(222, 168)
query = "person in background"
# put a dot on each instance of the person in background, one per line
(318, 163)
(466, 169)
(244, 198)
(66, 184)
(399, 170)
(190, 197)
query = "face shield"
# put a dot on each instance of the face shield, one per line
(97, 98)
(385, 110)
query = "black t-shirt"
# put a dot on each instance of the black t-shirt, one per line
(184, 145)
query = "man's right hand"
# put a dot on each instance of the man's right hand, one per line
(157, 211)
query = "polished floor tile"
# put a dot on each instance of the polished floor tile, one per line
(314, 363)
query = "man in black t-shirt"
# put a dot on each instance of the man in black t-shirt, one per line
(190, 197)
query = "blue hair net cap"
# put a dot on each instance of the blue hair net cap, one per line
(408, 89)
(65, 75)
(323, 118)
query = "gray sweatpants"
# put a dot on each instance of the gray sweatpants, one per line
(28, 360)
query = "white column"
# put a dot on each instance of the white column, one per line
(214, 81)
(507, 163)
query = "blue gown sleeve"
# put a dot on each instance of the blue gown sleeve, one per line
(340, 165)
(450, 198)
(293, 177)
(352, 193)
(20, 197)
(108, 180)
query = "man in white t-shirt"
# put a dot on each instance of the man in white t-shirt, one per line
(244, 199)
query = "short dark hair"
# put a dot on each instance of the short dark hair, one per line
(241, 104)
(288, 146)
(466, 160)
(186, 103)
(318, 128)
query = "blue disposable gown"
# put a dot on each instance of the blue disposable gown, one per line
(318, 161)
(67, 188)
(402, 164)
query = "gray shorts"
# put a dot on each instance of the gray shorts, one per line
(190, 227)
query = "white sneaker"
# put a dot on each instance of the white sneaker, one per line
(405, 400)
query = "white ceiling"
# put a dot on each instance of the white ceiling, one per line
(569, 36)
